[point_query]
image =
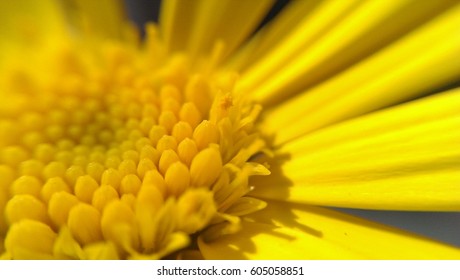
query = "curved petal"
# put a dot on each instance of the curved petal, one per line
(287, 231)
(227, 20)
(401, 71)
(334, 36)
(192, 25)
(403, 158)
(273, 33)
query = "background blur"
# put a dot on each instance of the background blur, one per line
(441, 226)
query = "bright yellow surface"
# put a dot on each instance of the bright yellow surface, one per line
(403, 158)
(287, 231)
(392, 75)
(114, 146)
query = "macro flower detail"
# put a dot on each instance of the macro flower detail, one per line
(200, 140)
(135, 149)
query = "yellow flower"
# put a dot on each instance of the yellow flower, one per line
(116, 146)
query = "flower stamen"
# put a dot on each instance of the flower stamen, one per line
(127, 153)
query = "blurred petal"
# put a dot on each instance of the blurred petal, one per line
(175, 19)
(27, 22)
(404, 70)
(403, 158)
(197, 25)
(334, 36)
(272, 34)
(227, 20)
(103, 18)
(303, 33)
(22, 16)
(285, 231)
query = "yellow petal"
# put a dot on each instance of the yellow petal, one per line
(285, 231)
(262, 241)
(303, 34)
(273, 33)
(175, 18)
(195, 208)
(25, 21)
(375, 82)
(66, 247)
(403, 158)
(101, 251)
(195, 25)
(429, 109)
(104, 18)
(348, 35)
(226, 20)
(118, 225)
(246, 205)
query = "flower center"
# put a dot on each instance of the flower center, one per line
(114, 150)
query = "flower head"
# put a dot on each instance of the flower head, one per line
(117, 146)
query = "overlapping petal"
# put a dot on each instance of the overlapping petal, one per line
(289, 231)
(327, 62)
(402, 158)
